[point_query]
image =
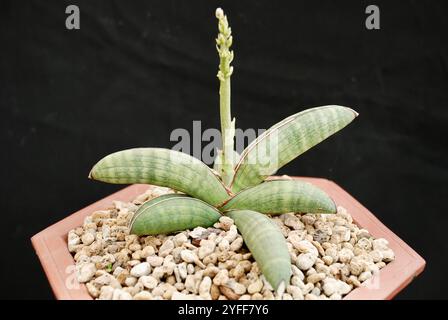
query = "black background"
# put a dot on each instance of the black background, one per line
(136, 70)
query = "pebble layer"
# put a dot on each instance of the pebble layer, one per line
(330, 256)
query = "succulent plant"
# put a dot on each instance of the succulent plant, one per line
(238, 187)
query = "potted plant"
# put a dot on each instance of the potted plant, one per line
(183, 230)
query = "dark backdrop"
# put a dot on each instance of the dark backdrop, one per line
(136, 70)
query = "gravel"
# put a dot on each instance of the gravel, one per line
(330, 256)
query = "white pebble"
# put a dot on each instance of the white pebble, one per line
(87, 238)
(305, 261)
(204, 287)
(149, 282)
(255, 287)
(141, 269)
(207, 247)
(166, 248)
(332, 286)
(154, 261)
(86, 272)
(187, 256)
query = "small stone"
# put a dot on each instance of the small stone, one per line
(181, 296)
(120, 294)
(295, 292)
(231, 234)
(255, 287)
(87, 238)
(154, 261)
(190, 268)
(356, 266)
(293, 222)
(93, 290)
(236, 287)
(73, 241)
(305, 246)
(376, 255)
(141, 269)
(287, 296)
(166, 248)
(321, 236)
(221, 277)
(365, 244)
(86, 272)
(335, 296)
(332, 286)
(197, 232)
(207, 247)
(214, 292)
(182, 269)
(365, 276)
(130, 281)
(191, 284)
(305, 261)
(188, 256)
(135, 247)
(228, 293)
(224, 245)
(316, 291)
(106, 293)
(107, 280)
(328, 260)
(143, 295)
(363, 233)
(345, 255)
(257, 296)
(149, 282)
(388, 255)
(380, 244)
(180, 239)
(226, 223)
(204, 288)
(147, 252)
(236, 244)
(314, 278)
(297, 272)
(158, 272)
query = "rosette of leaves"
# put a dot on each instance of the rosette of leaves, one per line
(238, 187)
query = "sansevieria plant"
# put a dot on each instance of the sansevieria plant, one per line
(237, 187)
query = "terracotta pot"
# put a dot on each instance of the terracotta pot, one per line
(58, 264)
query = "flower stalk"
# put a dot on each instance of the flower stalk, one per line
(223, 44)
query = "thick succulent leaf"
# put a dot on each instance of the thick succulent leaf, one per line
(156, 200)
(164, 215)
(281, 196)
(266, 243)
(162, 167)
(286, 140)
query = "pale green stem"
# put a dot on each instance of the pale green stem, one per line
(224, 41)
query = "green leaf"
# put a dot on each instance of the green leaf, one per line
(266, 243)
(172, 213)
(162, 167)
(281, 196)
(287, 140)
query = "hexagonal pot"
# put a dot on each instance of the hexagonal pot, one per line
(58, 264)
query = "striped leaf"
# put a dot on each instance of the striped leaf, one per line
(170, 213)
(162, 167)
(281, 196)
(286, 140)
(266, 243)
